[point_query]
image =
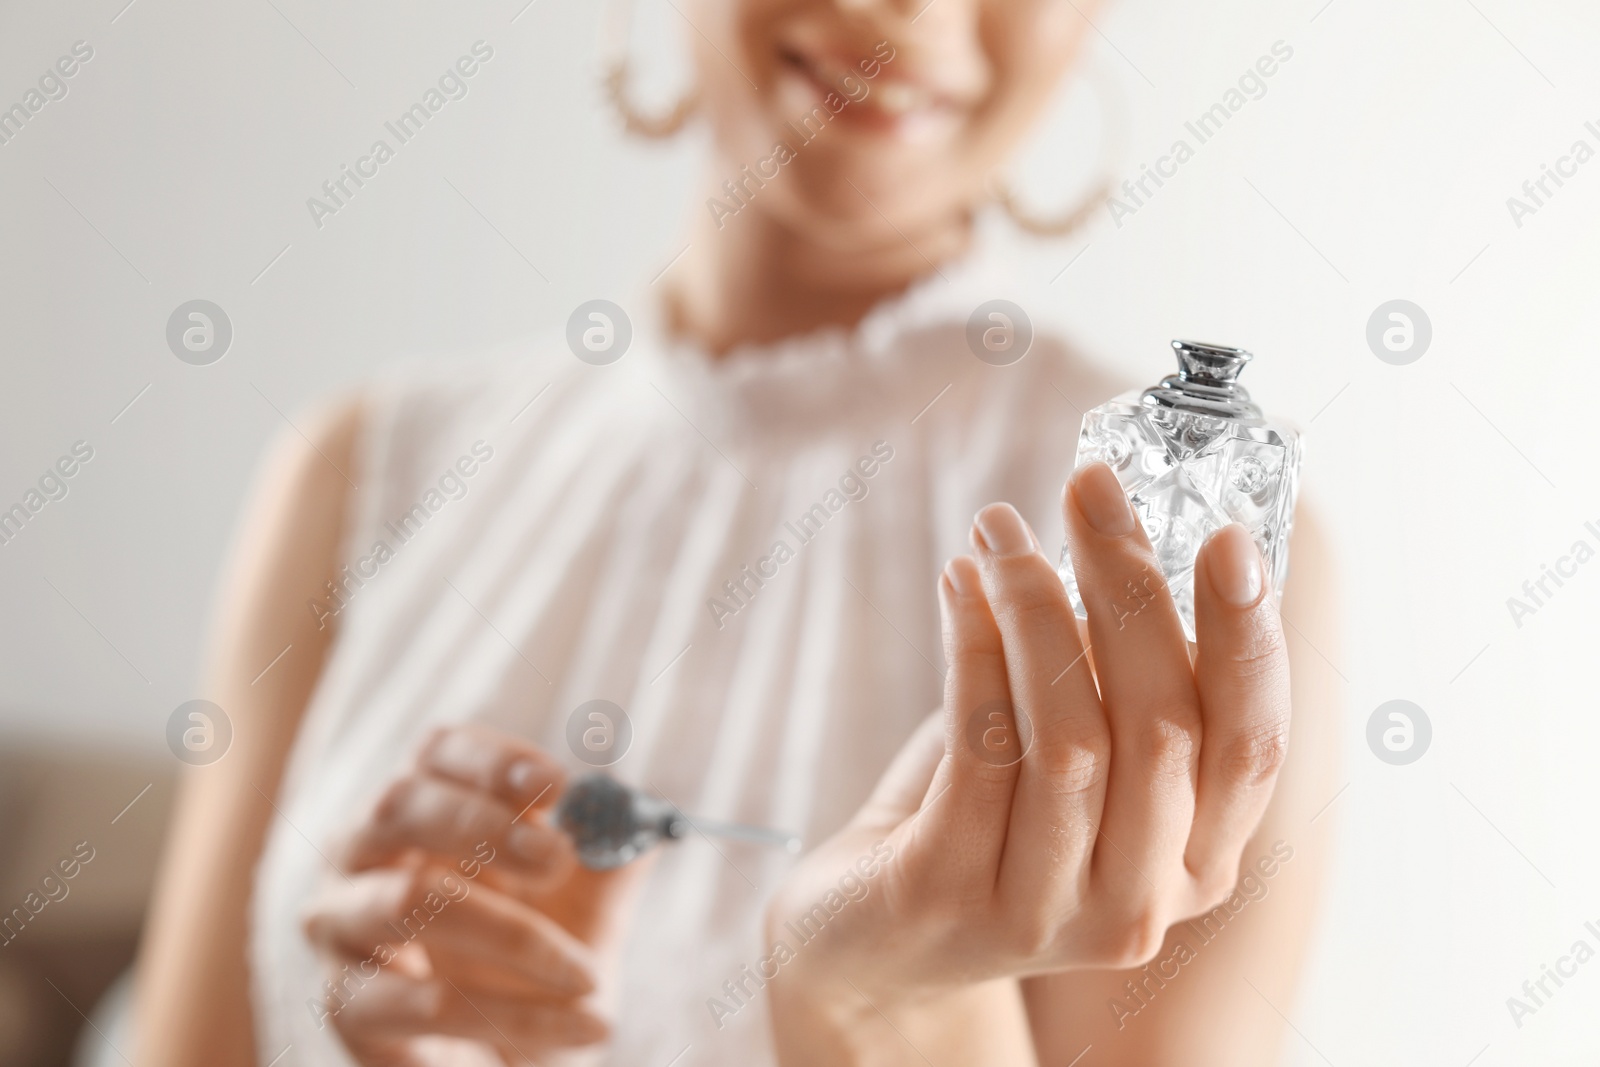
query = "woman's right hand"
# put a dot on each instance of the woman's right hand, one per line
(460, 928)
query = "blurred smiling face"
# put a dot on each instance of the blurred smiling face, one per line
(913, 115)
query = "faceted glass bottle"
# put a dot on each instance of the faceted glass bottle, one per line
(1195, 454)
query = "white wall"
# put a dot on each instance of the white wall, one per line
(1389, 144)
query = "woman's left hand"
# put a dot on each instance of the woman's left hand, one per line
(1064, 810)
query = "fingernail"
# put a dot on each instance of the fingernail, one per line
(1100, 497)
(962, 574)
(1234, 565)
(523, 776)
(529, 842)
(1002, 531)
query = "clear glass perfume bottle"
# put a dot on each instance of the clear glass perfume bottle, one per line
(1195, 454)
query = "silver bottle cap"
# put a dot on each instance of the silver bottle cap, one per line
(1207, 383)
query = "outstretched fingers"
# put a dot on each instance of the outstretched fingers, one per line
(969, 801)
(1242, 671)
(1062, 778)
(1147, 686)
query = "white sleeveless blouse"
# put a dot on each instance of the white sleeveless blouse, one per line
(586, 556)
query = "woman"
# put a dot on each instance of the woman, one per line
(737, 534)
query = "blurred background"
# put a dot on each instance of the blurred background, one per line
(1375, 165)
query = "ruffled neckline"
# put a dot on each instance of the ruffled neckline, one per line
(826, 373)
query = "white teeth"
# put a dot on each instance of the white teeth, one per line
(890, 97)
(898, 98)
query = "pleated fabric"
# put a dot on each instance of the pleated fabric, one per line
(586, 558)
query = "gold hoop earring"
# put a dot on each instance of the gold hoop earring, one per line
(618, 75)
(1072, 220)
(1061, 225)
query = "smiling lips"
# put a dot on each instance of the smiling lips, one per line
(890, 98)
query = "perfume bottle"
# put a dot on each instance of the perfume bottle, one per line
(612, 824)
(1195, 454)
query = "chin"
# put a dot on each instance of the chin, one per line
(836, 216)
(909, 194)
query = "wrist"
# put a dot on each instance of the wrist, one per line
(831, 1021)
(840, 1024)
